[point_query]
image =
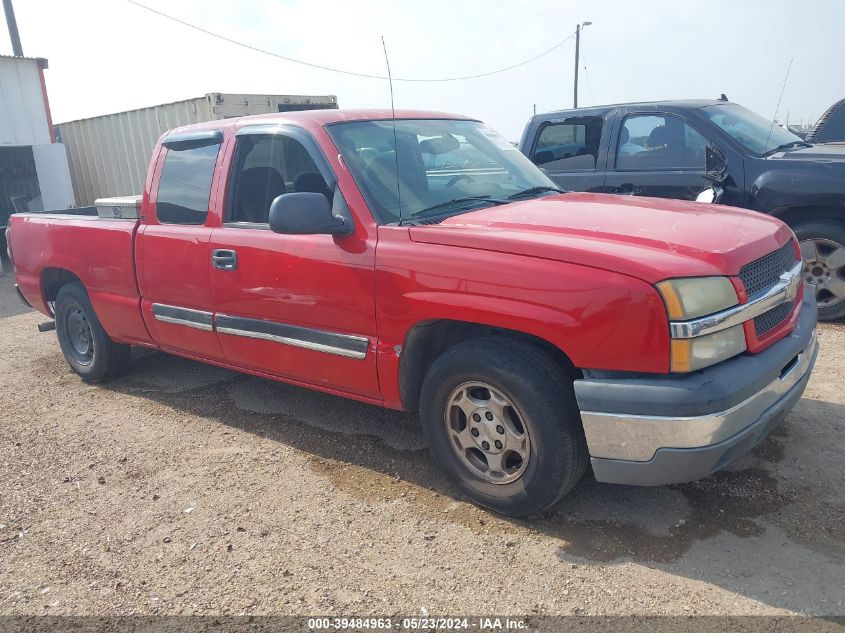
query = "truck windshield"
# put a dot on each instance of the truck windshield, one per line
(430, 163)
(750, 129)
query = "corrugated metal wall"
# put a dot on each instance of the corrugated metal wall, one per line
(23, 120)
(109, 155)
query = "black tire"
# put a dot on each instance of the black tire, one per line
(102, 359)
(544, 399)
(832, 233)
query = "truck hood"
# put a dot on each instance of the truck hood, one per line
(648, 238)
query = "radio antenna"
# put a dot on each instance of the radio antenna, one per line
(393, 118)
(772, 126)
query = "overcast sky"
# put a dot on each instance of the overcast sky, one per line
(108, 55)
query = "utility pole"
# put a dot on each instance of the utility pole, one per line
(13, 28)
(577, 51)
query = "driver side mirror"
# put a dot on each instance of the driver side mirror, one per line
(715, 164)
(306, 213)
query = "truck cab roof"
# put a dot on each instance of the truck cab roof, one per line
(663, 106)
(307, 118)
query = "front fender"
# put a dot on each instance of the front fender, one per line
(599, 319)
(810, 185)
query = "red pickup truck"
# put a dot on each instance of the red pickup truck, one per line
(422, 263)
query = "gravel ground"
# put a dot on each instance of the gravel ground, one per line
(185, 489)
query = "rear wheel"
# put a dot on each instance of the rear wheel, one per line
(823, 251)
(501, 420)
(87, 348)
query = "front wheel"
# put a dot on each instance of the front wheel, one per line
(823, 252)
(87, 348)
(501, 420)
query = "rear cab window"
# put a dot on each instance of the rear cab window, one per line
(184, 186)
(569, 145)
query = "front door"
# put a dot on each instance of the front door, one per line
(658, 155)
(296, 306)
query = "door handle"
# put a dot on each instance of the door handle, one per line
(224, 259)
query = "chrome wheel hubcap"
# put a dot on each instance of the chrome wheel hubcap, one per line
(824, 267)
(487, 433)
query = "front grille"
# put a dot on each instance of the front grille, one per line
(763, 273)
(770, 319)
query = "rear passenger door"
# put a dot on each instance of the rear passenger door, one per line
(657, 154)
(571, 152)
(172, 251)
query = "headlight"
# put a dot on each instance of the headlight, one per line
(691, 354)
(694, 297)
(689, 298)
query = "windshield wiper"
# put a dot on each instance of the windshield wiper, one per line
(440, 208)
(532, 190)
(786, 146)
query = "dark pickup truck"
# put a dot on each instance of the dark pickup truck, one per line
(659, 149)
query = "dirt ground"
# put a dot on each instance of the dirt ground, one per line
(186, 489)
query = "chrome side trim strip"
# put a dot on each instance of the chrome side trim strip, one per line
(638, 437)
(255, 226)
(785, 290)
(175, 315)
(295, 336)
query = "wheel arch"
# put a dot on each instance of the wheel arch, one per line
(53, 279)
(426, 340)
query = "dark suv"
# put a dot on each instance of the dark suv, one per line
(660, 149)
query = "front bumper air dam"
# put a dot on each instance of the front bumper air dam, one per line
(635, 432)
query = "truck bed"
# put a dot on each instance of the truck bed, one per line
(97, 251)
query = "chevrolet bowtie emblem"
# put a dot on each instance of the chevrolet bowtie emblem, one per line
(792, 280)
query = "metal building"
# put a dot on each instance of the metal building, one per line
(34, 173)
(109, 154)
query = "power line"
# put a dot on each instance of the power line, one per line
(589, 83)
(340, 70)
(589, 86)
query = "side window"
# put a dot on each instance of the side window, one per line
(654, 142)
(569, 145)
(185, 185)
(266, 167)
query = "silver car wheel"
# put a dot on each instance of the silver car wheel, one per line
(487, 433)
(824, 267)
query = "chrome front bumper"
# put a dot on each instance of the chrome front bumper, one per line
(645, 444)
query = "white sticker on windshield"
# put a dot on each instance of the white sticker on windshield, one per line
(497, 139)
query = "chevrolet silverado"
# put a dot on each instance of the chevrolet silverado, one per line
(420, 262)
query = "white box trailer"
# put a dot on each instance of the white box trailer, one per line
(108, 155)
